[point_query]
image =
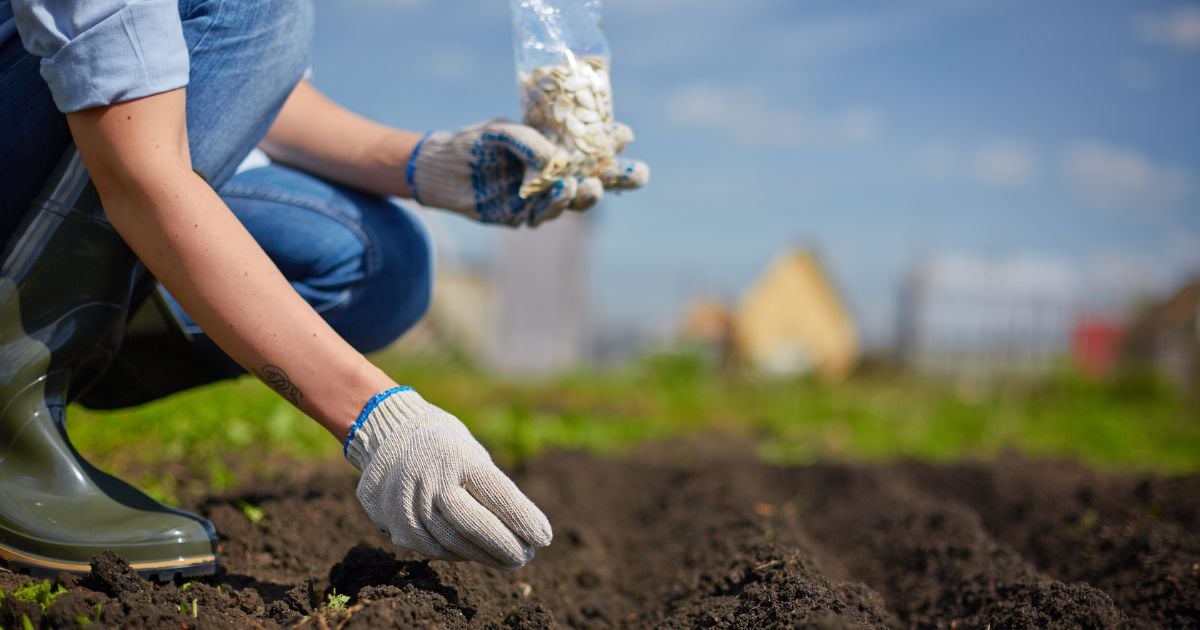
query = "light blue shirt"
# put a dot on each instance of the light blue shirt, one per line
(99, 52)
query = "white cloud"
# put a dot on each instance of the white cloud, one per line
(1177, 28)
(1122, 179)
(744, 114)
(1003, 164)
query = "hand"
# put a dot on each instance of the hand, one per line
(479, 172)
(434, 489)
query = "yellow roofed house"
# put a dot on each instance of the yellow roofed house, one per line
(792, 321)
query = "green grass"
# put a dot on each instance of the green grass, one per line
(1133, 424)
(199, 437)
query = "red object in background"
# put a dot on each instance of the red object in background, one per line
(1096, 346)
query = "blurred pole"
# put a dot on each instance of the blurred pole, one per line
(541, 289)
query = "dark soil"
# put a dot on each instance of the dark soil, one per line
(685, 537)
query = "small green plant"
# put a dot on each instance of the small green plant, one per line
(26, 623)
(252, 512)
(41, 593)
(84, 620)
(336, 602)
(193, 609)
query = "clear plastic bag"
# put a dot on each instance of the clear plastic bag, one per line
(563, 76)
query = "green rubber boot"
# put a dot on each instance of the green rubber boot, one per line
(66, 279)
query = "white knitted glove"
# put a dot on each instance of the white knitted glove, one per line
(479, 172)
(434, 489)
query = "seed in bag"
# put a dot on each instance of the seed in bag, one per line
(571, 104)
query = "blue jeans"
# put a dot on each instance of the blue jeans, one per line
(363, 262)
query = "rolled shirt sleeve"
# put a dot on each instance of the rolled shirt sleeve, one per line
(100, 52)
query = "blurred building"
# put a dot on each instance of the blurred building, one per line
(524, 309)
(539, 279)
(1166, 337)
(971, 317)
(1096, 345)
(793, 321)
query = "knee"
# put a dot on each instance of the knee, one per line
(404, 279)
(361, 261)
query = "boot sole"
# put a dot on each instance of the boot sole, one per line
(162, 570)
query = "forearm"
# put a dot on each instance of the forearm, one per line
(326, 139)
(194, 245)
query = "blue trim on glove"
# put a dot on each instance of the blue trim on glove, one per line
(410, 169)
(362, 417)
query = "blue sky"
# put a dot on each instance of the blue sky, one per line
(1065, 135)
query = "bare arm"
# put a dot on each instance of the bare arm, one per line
(137, 154)
(326, 139)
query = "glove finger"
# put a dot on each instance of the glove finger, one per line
(453, 540)
(626, 175)
(499, 494)
(436, 550)
(483, 530)
(526, 143)
(622, 136)
(558, 198)
(416, 535)
(426, 544)
(398, 518)
(590, 192)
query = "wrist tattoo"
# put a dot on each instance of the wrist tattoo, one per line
(278, 380)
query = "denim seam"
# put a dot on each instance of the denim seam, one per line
(211, 24)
